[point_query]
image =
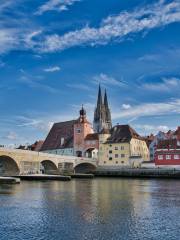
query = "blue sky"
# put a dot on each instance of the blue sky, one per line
(53, 54)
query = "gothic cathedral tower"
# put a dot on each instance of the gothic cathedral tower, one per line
(102, 114)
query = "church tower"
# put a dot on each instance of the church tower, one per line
(81, 129)
(102, 114)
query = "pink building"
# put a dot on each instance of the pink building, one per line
(86, 142)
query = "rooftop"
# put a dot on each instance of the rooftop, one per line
(58, 131)
(123, 133)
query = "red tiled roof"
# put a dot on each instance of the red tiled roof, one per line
(58, 131)
(92, 136)
(37, 146)
(123, 133)
(167, 144)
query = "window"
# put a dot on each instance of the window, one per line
(122, 147)
(62, 141)
(168, 157)
(176, 156)
(116, 155)
(160, 157)
(104, 162)
(122, 162)
(110, 151)
(122, 155)
(116, 162)
(116, 148)
(110, 158)
(78, 130)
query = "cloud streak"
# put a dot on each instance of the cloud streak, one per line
(167, 84)
(55, 5)
(149, 109)
(52, 69)
(146, 128)
(104, 79)
(116, 28)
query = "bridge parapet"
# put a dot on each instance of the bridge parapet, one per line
(30, 162)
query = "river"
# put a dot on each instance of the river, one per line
(95, 209)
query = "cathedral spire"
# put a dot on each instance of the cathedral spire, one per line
(102, 114)
(99, 101)
(106, 100)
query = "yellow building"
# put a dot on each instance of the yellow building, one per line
(122, 147)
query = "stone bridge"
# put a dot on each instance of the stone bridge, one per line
(19, 162)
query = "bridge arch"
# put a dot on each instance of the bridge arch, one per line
(49, 167)
(91, 152)
(85, 167)
(8, 166)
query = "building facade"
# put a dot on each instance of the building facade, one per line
(60, 139)
(160, 137)
(86, 142)
(167, 152)
(77, 137)
(72, 138)
(152, 147)
(122, 146)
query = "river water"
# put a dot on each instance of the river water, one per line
(91, 209)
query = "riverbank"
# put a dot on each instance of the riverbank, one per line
(43, 177)
(9, 180)
(139, 173)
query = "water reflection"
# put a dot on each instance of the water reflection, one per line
(90, 209)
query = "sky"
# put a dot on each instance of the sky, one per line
(54, 53)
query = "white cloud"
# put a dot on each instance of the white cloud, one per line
(167, 84)
(4, 4)
(39, 124)
(55, 5)
(8, 39)
(149, 109)
(152, 128)
(116, 27)
(52, 69)
(108, 80)
(15, 35)
(126, 106)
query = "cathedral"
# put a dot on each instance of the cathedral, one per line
(102, 114)
(78, 137)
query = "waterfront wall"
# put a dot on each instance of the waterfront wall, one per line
(139, 173)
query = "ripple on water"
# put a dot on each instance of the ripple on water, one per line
(91, 209)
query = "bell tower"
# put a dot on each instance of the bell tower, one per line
(81, 129)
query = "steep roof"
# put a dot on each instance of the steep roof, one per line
(149, 139)
(168, 144)
(122, 134)
(58, 131)
(92, 136)
(37, 146)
